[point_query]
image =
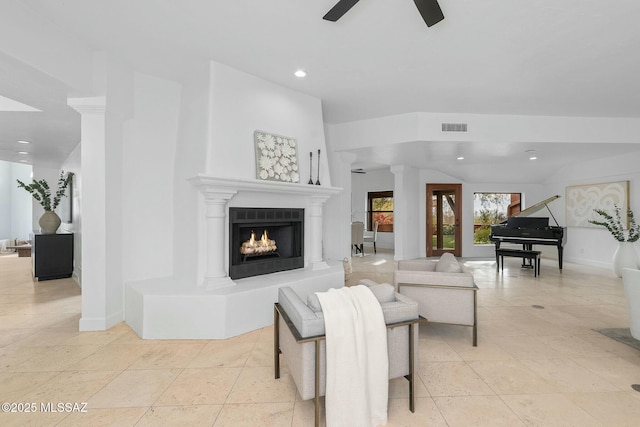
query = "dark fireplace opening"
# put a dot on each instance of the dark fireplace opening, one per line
(265, 240)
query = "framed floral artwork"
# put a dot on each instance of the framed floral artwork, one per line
(276, 157)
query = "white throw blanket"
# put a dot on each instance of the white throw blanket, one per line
(357, 359)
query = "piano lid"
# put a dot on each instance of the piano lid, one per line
(537, 207)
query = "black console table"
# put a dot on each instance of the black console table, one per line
(52, 256)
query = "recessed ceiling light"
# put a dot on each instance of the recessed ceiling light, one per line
(533, 158)
(22, 152)
(24, 142)
(531, 150)
(300, 73)
(24, 161)
(460, 158)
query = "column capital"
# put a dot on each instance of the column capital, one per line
(217, 196)
(396, 169)
(88, 105)
(319, 199)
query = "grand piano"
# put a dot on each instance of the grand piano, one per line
(528, 231)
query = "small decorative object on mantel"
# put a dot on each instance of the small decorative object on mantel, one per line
(40, 190)
(318, 180)
(276, 157)
(310, 167)
(625, 255)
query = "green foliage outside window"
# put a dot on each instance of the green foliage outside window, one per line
(489, 209)
(380, 209)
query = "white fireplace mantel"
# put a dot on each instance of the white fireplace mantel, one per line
(207, 183)
(218, 192)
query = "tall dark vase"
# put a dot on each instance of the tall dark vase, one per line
(318, 180)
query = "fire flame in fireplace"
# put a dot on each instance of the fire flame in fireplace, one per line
(262, 246)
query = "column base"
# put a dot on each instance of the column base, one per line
(318, 265)
(211, 283)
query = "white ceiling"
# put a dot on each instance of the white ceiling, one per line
(537, 57)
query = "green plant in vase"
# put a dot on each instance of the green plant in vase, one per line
(613, 223)
(625, 255)
(41, 192)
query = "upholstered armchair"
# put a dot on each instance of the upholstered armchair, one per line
(299, 339)
(372, 236)
(444, 289)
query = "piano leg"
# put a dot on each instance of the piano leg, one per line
(560, 250)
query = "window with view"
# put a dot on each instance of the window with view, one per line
(380, 209)
(492, 208)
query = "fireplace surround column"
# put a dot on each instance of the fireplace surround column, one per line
(315, 229)
(216, 222)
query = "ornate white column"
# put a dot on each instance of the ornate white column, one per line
(95, 287)
(316, 203)
(216, 221)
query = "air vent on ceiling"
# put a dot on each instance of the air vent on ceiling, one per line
(454, 127)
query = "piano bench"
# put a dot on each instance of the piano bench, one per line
(534, 256)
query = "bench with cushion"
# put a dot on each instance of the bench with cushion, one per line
(532, 256)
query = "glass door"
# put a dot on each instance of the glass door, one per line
(444, 207)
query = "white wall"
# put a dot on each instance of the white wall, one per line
(483, 128)
(21, 208)
(406, 209)
(219, 113)
(361, 185)
(190, 159)
(241, 104)
(586, 245)
(5, 200)
(147, 179)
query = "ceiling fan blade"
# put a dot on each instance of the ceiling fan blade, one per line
(339, 9)
(430, 11)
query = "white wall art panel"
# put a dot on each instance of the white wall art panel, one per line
(583, 199)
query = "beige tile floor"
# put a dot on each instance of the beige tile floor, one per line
(532, 367)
